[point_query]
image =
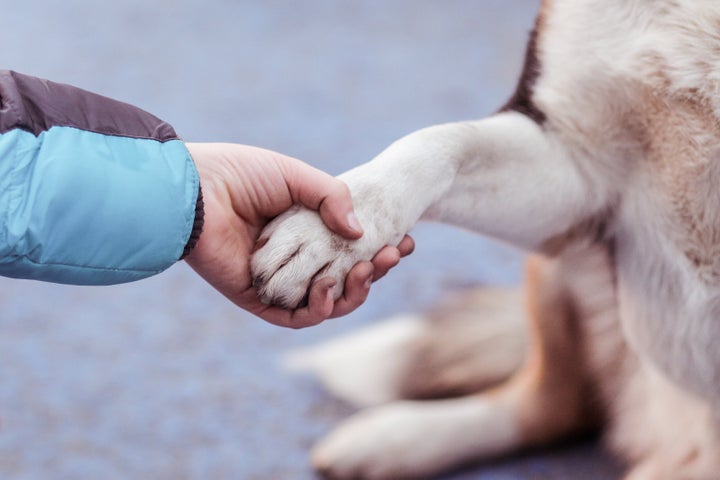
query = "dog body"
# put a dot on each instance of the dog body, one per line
(603, 165)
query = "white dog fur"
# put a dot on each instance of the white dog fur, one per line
(601, 165)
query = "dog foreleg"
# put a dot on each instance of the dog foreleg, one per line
(503, 176)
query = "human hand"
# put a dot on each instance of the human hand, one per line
(243, 188)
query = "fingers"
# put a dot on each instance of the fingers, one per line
(320, 306)
(360, 278)
(388, 257)
(384, 260)
(337, 212)
(357, 288)
(320, 191)
(406, 246)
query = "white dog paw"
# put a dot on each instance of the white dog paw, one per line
(297, 248)
(392, 442)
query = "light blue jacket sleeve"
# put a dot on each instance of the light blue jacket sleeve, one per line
(80, 205)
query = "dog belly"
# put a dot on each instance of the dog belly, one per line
(671, 321)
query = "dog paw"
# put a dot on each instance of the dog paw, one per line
(392, 442)
(297, 248)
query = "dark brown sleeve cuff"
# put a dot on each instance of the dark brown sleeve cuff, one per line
(197, 225)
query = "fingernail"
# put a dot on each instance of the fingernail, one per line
(368, 282)
(353, 222)
(331, 293)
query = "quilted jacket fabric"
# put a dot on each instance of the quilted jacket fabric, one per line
(92, 190)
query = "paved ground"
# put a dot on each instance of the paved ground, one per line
(164, 379)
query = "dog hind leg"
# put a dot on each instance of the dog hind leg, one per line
(548, 398)
(474, 340)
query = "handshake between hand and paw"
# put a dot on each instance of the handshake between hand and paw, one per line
(310, 264)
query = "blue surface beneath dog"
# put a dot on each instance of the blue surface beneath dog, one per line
(165, 379)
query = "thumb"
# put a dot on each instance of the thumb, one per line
(320, 191)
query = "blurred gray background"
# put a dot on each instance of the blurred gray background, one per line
(164, 378)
